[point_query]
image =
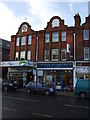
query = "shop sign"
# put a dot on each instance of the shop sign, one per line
(17, 63)
(54, 65)
(83, 70)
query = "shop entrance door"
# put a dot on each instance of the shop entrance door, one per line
(67, 80)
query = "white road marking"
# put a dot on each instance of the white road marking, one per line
(42, 115)
(22, 99)
(76, 106)
(14, 110)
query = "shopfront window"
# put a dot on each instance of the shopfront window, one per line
(54, 54)
(55, 37)
(22, 55)
(48, 78)
(23, 40)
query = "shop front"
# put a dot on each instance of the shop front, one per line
(21, 71)
(83, 70)
(58, 75)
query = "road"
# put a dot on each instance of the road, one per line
(23, 105)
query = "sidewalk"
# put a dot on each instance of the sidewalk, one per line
(61, 93)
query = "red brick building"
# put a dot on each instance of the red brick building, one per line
(55, 55)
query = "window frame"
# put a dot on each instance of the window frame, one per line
(16, 54)
(17, 41)
(24, 55)
(63, 36)
(53, 54)
(30, 55)
(46, 38)
(63, 50)
(23, 43)
(29, 42)
(86, 53)
(55, 23)
(45, 55)
(84, 34)
(54, 37)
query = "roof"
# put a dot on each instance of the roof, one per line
(4, 44)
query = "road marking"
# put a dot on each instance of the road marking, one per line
(42, 115)
(14, 110)
(22, 99)
(76, 106)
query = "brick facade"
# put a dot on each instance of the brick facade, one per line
(77, 29)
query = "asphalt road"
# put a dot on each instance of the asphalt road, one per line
(23, 105)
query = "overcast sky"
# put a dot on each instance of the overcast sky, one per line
(38, 13)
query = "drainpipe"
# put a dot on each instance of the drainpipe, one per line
(74, 66)
(36, 55)
(74, 34)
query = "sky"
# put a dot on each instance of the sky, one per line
(37, 13)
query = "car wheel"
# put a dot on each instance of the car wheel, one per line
(28, 90)
(47, 92)
(5, 88)
(82, 95)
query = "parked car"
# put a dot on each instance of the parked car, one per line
(32, 87)
(8, 85)
(82, 88)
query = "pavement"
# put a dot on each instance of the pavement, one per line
(61, 93)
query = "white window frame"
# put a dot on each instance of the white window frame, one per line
(17, 41)
(55, 38)
(63, 36)
(86, 32)
(29, 40)
(47, 38)
(23, 40)
(63, 50)
(22, 55)
(86, 54)
(53, 50)
(28, 55)
(16, 56)
(46, 55)
(55, 23)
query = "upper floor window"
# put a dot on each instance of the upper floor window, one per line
(86, 34)
(63, 54)
(46, 55)
(28, 55)
(63, 36)
(24, 28)
(47, 38)
(86, 53)
(29, 40)
(55, 23)
(54, 54)
(23, 40)
(16, 56)
(55, 37)
(22, 55)
(17, 41)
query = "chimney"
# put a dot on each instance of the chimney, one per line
(77, 20)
